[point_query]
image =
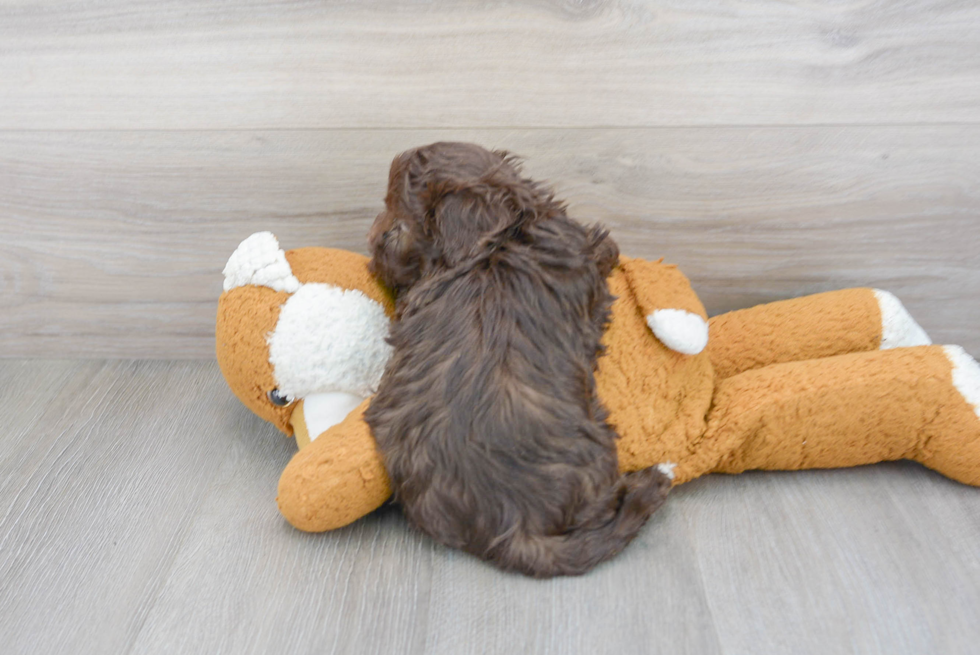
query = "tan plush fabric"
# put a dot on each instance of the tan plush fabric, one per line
(659, 286)
(845, 411)
(335, 480)
(341, 268)
(788, 385)
(246, 315)
(811, 327)
(657, 398)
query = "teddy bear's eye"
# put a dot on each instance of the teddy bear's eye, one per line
(278, 399)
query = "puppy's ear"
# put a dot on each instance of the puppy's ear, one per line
(399, 256)
(460, 220)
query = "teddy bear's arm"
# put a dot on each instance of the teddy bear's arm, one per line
(920, 403)
(811, 327)
(671, 308)
(335, 480)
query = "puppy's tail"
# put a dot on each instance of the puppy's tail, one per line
(604, 529)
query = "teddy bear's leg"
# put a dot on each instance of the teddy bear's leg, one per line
(920, 403)
(811, 327)
(954, 447)
(335, 480)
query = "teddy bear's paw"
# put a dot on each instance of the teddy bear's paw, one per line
(966, 375)
(898, 328)
(679, 330)
(260, 261)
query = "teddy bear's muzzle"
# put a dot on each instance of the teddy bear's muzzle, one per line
(318, 412)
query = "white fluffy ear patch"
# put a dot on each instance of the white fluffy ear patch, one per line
(667, 468)
(898, 328)
(329, 339)
(966, 375)
(258, 260)
(679, 330)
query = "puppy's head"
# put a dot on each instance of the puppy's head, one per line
(443, 200)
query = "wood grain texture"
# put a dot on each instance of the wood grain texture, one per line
(97, 494)
(770, 149)
(530, 63)
(137, 515)
(112, 243)
(867, 540)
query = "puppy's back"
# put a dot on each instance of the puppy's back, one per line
(487, 415)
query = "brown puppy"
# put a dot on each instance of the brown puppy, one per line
(487, 414)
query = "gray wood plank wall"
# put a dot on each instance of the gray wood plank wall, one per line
(769, 149)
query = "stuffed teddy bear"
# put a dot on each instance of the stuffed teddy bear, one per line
(836, 379)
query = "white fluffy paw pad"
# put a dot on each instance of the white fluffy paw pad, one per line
(258, 260)
(966, 376)
(898, 328)
(667, 468)
(679, 330)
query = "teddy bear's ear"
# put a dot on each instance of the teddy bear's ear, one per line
(260, 261)
(258, 281)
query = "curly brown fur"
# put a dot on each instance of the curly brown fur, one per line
(487, 414)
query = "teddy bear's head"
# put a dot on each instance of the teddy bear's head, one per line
(301, 331)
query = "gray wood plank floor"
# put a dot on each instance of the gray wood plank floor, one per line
(137, 515)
